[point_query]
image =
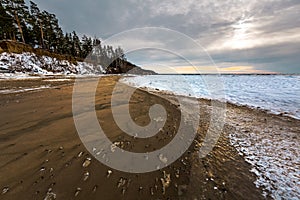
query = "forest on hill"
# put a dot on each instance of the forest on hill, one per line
(41, 30)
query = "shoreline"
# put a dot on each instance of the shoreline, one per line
(228, 103)
(41, 121)
(263, 93)
(250, 124)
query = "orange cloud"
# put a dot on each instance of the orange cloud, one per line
(209, 69)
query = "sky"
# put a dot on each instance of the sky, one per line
(230, 36)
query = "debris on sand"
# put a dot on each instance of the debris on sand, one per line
(123, 190)
(121, 182)
(165, 181)
(50, 195)
(177, 173)
(95, 188)
(87, 162)
(140, 188)
(151, 191)
(78, 190)
(163, 159)
(86, 175)
(109, 172)
(182, 189)
(115, 145)
(48, 150)
(5, 190)
(80, 154)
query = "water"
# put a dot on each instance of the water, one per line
(276, 93)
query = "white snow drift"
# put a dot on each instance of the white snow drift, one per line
(30, 63)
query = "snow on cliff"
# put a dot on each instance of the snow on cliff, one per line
(30, 63)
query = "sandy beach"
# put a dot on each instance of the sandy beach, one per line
(42, 156)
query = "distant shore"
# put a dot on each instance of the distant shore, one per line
(41, 153)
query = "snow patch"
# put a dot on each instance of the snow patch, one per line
(275, 159)
(19, 90)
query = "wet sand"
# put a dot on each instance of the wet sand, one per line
(41, 154)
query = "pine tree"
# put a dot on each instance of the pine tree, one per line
(6, 24)
(87, 46)
(36, 23)
(19, 11)
(76, 45)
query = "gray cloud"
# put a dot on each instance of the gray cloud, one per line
(264, 34)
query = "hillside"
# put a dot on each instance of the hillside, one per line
(22, 58)
(32, 41)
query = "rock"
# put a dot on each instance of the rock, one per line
(5, 190)
(61, 148)
(42, 169)
(87, 162)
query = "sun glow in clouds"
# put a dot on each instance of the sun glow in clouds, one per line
(243, 33)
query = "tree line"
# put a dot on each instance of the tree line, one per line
(41, 29)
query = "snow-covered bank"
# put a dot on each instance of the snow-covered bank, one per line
(31, 64)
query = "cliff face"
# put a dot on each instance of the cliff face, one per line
(19, 57)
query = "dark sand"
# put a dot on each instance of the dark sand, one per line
(39, 149)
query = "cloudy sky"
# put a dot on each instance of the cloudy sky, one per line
(237, 36)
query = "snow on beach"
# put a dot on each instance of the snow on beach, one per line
(19, 90)
(271, 149)
(27, 64)
(30, 66)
